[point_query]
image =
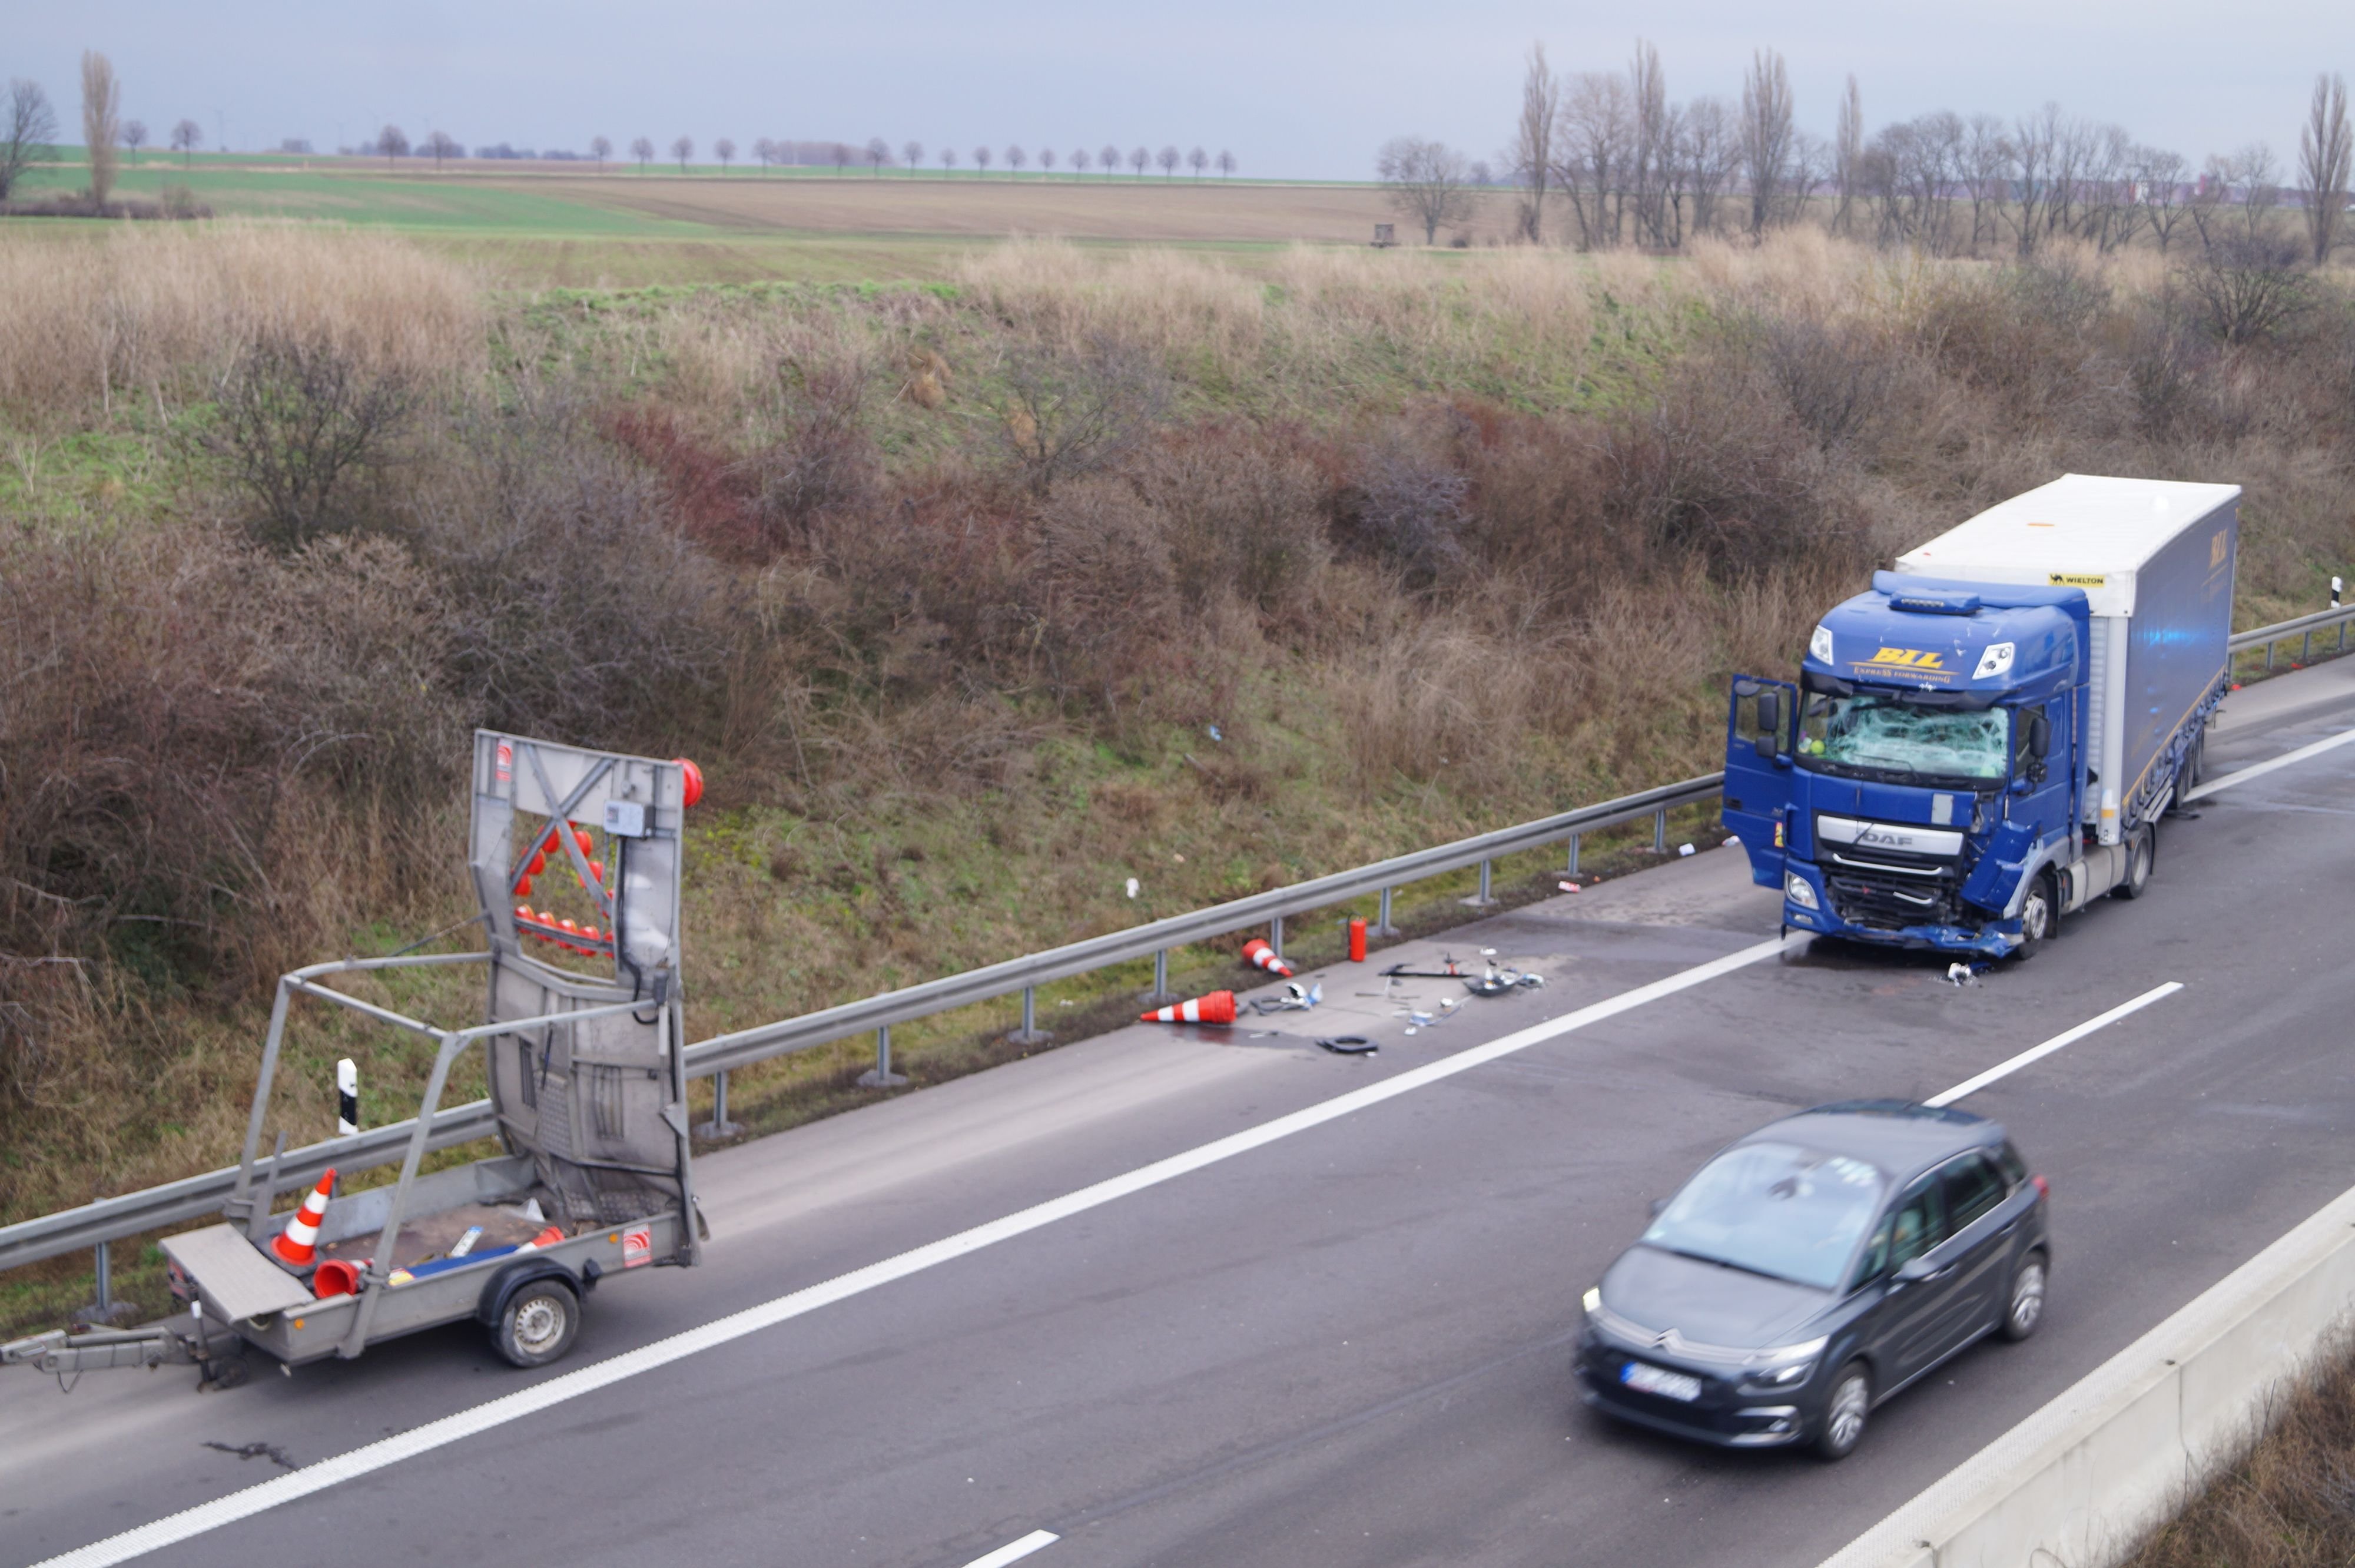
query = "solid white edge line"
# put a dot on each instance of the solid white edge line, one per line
(2067, 1037)
(2254, 770)
(1014, 1551)
(267, 1495)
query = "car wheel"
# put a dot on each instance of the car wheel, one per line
(538, 1325)
(2037, 912)
(1844, 1412)
(2024, 1307)
(2139, 856)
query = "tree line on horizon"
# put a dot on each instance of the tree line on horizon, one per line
(1604, 159)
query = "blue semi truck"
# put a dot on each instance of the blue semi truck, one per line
(1986, 740)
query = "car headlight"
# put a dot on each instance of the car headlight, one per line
(1800, 891)
(1820, 644)
(1785, 1368)
(1996, 661)
(1591, 1300)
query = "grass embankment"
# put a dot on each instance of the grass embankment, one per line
(947, 584)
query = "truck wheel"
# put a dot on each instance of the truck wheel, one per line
(2039, 913)
(2140, 852)
(538, 1325)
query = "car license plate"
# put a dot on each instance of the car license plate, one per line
(1647, 1378)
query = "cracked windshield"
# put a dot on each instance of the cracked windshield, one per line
(1876, 734)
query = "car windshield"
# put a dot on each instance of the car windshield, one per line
(1773, 1209)
(1879, 735)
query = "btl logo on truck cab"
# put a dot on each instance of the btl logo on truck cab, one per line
(1912, 658)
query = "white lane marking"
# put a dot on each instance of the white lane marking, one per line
(1014, 1551)
(2068, 1037)
(2255, 770)
(267, 1495)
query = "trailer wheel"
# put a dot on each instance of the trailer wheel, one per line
(538, 1325)
(2140, 852)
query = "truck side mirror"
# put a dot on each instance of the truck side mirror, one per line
(1769, 738)
(2040, 736)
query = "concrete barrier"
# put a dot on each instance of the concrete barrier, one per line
(2077, 1484)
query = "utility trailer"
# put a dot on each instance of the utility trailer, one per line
(587, 1080)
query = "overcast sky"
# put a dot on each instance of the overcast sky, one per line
(1308, 88)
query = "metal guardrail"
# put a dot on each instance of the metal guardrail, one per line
(2272, 637)
(93, 1225)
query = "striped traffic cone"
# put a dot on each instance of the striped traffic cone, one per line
(1265, 957)
(1218, 1007)
(297, 1246)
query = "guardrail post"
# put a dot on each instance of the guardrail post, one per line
(1571, 869)
(105, 1310)
(1481, 899)
(1275, 935)
(2269, 657)
(1660, 831)
(881, 1076)
(1382, 926)
(1161, 995)
(718, 1126)
(2305, 648)
(1030, 1033)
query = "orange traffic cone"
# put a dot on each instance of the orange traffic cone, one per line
(1218, 1007)
(298, 1244)
(1264, 956)
(338, 1276)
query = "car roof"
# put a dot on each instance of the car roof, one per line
(1899, 1136)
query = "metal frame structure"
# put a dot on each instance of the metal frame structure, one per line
(93, 1226)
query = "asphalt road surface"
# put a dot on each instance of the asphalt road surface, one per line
(1344, 1337)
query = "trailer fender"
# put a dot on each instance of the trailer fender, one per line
(513, 1277)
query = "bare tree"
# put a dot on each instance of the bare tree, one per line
(842, 155)
(601, 148)
(134, 136)
(725, 151)
(1109, 156)
(1530, 158)
(878, 152)
(1226, 166)
(2036, 153)
(2158, 174)
(101, 122)
(1080, 162)
(1197, 160)
(981, 158)
(1848, 147)
(643, 149)
(681, 149)
(1064, 415)
(2253, 172)
(186, 135)
(26, 128)
(1765, 133)
(1140, 159)
(1710, 148)
(1590, 141)
(2325, 149)
(1647, 103)
(948, 157)
(1425, 182)
(1014, 159)
(1047, 159)
(913, 152)
(1168, 160)
(393, 142)
(1986, 174)
(441, 144)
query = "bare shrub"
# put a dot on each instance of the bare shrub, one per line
(1244, 514)
(2249, 287)
(293, 420)
(2025, 332)
(1061, 415)
(1109, 593)
(821, 457)
(575, 608)
(1408, 508)
(1838, 379)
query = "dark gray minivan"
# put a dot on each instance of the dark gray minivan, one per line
(1813, 1268)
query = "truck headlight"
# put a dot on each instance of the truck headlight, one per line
(1820, 644)
(1800, 891)
(1996, 661)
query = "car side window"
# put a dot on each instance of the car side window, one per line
(1972, 1188)
(1875, 1258)
(2015, 1169)
(1919, 1225)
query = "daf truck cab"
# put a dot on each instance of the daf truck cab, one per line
(1987, 740)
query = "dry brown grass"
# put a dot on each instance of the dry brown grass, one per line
(129, 314)
(2290, 1502)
